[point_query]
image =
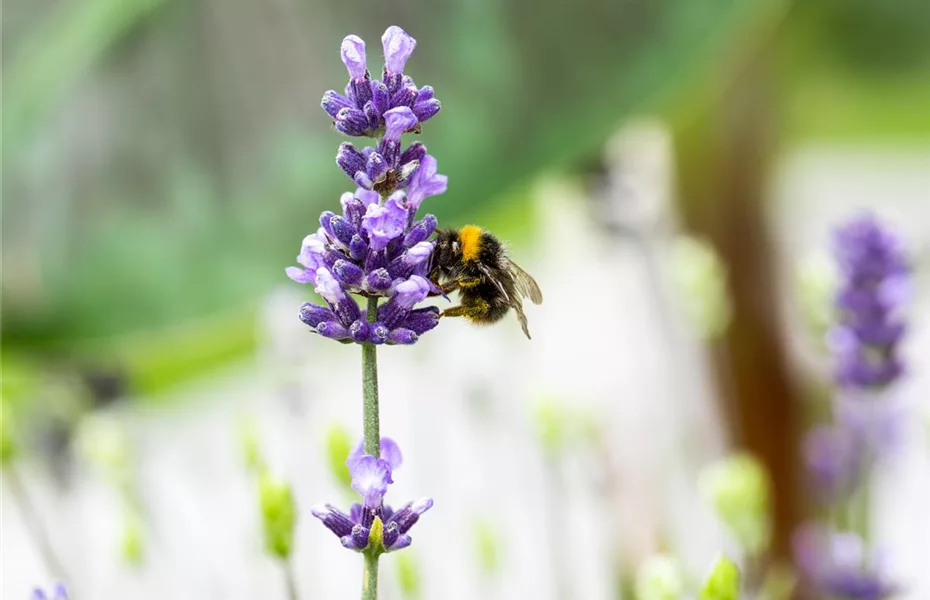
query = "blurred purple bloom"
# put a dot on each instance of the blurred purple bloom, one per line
(371, 477)
(875, 284)
(837, 565)
(58, 593)
(362, 109)
(834, 462)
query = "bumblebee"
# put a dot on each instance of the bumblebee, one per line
(473, 262)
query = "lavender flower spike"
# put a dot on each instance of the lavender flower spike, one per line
(370, 478)
(875, 285)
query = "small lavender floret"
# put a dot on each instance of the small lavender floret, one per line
(370, 478)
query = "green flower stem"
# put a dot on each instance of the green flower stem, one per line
(372, 439)
(370, 389)
(370, 581)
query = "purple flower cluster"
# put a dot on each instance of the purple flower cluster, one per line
(376, 247)
(370, 478)
(839, 455)
(363, 110)
(838, 565)
(875, 283)
(383, 109)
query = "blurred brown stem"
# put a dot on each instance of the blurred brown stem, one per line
(724, 157)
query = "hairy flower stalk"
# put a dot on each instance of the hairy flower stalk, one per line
(865, 340)
(377, 248)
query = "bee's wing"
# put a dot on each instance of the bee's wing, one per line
(512, 299)
(525, 283)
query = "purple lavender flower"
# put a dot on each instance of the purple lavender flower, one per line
(370, 478)
(875, 285)
(58, 593)
(372, 249)
(376, 247)
(837, 565)
(834, 462)
(362, 110)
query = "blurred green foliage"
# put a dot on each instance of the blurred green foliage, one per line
(723, 581)
(738, 489)
(159, 171)
(279, 515)
(338, 447)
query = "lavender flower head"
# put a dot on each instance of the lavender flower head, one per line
(363, 110)
(377, 247)
(837, 565)
(372, 525)
(875, 284)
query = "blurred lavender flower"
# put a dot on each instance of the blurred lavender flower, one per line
(58, 593)
(875, 283)
(363, 110)
(837, 565)
(372, 525)
(834, 462)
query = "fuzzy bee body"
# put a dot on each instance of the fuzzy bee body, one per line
(474, 262)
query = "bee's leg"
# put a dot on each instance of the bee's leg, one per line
(476, 310)
(461, 282)
(455, 311)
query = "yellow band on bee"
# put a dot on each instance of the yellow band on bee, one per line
(468, 238)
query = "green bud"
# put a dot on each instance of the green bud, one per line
(700, 280)
(552, 425)
(723, 581)
(338, 447)
(738, 489)
(103, 442)
(132, 539)
(249, 444)
(816, 287)
(376, 538)
(487, 547)
(7, 434)
(659, 579)
(780, 582)
(279, 515)
(408, 575)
